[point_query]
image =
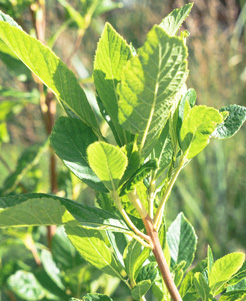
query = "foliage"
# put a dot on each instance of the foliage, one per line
(156, 130)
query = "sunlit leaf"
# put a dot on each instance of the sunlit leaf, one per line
(149, 84)
(172, 22)
(108, 162)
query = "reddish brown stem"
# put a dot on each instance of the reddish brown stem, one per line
(160, 259)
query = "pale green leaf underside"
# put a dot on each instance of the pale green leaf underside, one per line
(172, 22)
(34, 209)
(232, 124)
(182, 241)
(224, 268)
(111, 56)
(149, 84)
(108, 162)
(25, 285)
(196, 129)
(141, 289)
(70, 138)
(51, 71)
(92, 247)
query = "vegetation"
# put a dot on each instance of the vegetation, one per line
(153, 130)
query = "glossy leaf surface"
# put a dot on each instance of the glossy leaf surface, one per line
(70, 138)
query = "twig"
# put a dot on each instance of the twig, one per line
(161, 260)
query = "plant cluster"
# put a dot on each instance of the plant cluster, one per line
(156, 129)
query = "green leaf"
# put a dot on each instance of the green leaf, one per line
(163, 150)
(186, 103)
(6, 18)
(51, 269)
(223, 269)
(182, 241)
(73, 13)
(63, 252)
(138, 176)
(92, 247)
(202, 287)
(148, 272)
(240, 275)
(172, 22)
(131, 151)
(108, 162)
(111, 56)
(210, 259)
(51, 71)
(239, 286)
(105, 6)
(232, 124)
(197, 128)
(141, 289)
(234, 296)
(187, 290)
(149, 84)
(32, 209)
(70, 138)
(94, 297)
(27, 160)
(134, 257)
(26, 286)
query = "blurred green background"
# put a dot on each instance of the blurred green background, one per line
(211, 190)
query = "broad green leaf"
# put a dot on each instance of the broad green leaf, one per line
(210, 259)
(149, 84)
(51, 268)
(223, 269)
(240, 275)
(197, 128)
(51, 71)
(118, 242)
(134, 257)
(239, 286)
(202, 287)
(32, 209)
(232, 124)
(92, 247)
(27, 160)
(163, 150)
(63, 252)
(187, 290)
(70, 138)
(148, 272)
(186, 103)
(108, 162)
(131, 151)
(94, 297)
(239, 295)
(182, 241)
(111, 56)
(172, 22)
(138, 176)
(141, 289)
(26, 286)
